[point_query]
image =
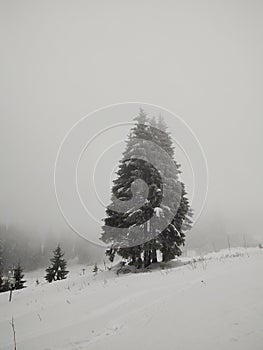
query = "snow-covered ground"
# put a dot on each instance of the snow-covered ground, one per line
(214, 302)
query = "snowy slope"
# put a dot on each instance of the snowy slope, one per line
(215, 303)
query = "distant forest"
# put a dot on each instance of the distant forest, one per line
(33, 250)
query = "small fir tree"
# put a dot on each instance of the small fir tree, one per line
(5, 286)
(18, 277)
(57, 270)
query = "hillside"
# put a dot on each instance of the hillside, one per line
(210, 303)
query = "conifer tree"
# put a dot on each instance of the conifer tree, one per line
(148, 141)
(5, 286)
(132, 167)
(18, 277)
(57, 269)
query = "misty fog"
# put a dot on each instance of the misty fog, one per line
(203, 62)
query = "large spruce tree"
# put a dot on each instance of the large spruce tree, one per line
(147, 144)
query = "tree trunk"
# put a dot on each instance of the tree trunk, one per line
(154, 256)
(146, 258)
(164, 252)
(139, 263)
(133, 262)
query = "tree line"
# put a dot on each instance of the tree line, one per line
(14, 279)
(33, 249)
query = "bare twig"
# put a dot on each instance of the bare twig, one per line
(14, 332)
(245, 244)
(10, 294)
(228, 241)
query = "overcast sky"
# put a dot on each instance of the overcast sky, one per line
(61, 60)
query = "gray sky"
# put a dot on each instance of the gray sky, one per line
(60, 60)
